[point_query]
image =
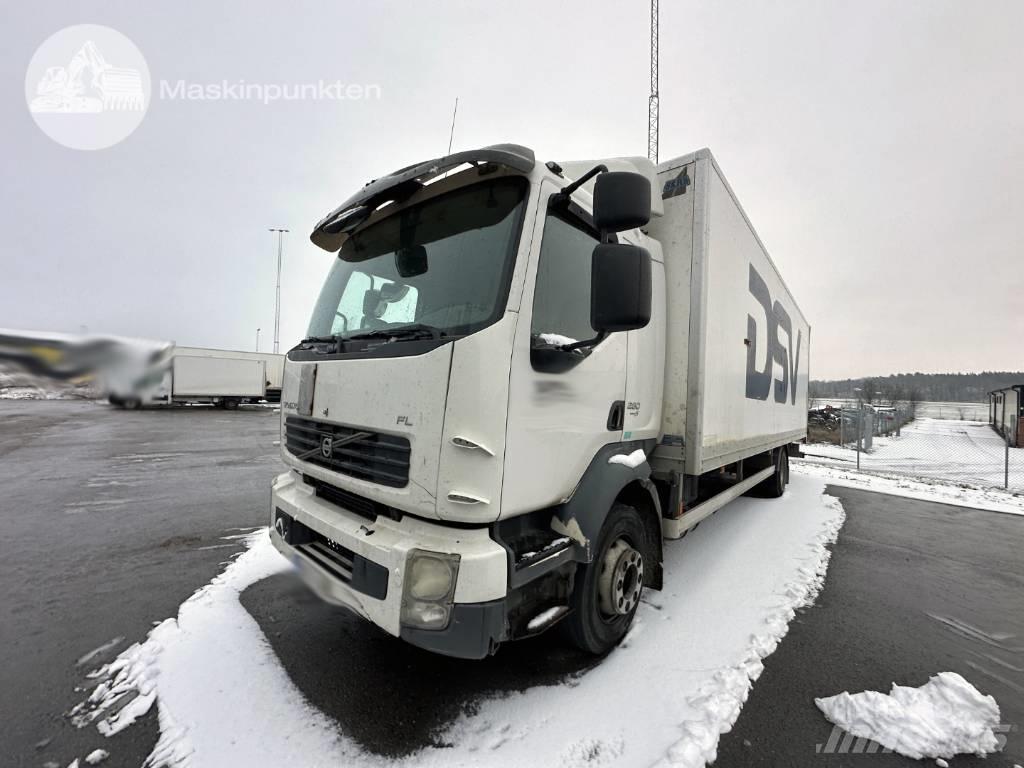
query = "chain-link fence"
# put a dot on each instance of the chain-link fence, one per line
(892, 441)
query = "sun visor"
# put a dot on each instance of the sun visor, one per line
(332, 231)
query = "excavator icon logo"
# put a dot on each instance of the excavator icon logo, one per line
(62, 89)
(80, 97)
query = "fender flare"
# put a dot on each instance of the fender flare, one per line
(582, 515)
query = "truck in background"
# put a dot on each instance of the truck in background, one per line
(519, 379)
(188, 375)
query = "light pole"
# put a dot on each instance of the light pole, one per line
(257, 339)
(277, 298)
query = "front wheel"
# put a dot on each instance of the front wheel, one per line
(607, 590)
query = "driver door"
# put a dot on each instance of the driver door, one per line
(559, 402)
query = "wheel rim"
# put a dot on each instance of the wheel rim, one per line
(621, 580)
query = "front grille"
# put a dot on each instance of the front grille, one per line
(376, 457)
(352, 502)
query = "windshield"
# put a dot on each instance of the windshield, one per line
(443, 265)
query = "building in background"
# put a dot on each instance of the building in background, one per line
(1006, 413)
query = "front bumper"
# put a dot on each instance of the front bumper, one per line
(380, 547)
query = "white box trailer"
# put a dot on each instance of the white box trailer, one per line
(521, 377)
(199, 377)
(182, 375)
(738, 346)
(273, 363)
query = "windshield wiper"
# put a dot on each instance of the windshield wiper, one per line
(413, 330)
(334, 340)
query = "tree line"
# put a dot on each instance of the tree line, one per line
(914, 388)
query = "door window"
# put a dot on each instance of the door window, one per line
(561, 301)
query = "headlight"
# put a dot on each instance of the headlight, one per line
(429, 589)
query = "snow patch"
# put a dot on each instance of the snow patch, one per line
(731, 587)
(544, 617)
(560, 541)
(975, 497)
(97, 756)
(556, 339)
(632, 460)
(95, 652)
(944, 717)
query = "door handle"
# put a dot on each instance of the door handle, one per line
(616, 415)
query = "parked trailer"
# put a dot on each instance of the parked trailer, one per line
(519, 378)
(186, 375)
(274, 364)
(221, 380)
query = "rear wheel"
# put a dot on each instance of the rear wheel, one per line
(607, 590)
(131, 403)
(774, 486)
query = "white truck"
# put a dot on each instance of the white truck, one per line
(519, 379)
(181, 375)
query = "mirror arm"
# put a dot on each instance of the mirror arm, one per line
(565, 193)
(586, 342)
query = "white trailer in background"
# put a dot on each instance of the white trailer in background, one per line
(186, 375)
(273, 365)
(519, 378)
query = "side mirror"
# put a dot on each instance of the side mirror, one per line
(620, 287)
(411, 261)
(622, 200)
(392, 292)
(373, 305)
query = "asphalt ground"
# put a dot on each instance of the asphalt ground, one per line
(913, 589)
(112, 519)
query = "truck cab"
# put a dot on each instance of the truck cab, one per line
(468, 424)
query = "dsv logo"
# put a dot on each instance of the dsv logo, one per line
(759, 382)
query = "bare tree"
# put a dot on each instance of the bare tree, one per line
(869, 390)
(896, 395)
(913, 399)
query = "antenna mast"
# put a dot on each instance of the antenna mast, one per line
(451, 135)
(652, 100)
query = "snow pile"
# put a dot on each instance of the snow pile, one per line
(944, 717)
(97, 756)
(634, 459)
(687, 666)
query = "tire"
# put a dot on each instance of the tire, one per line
(131, 403)
(231, 404)
(593, 625)
(773, 487)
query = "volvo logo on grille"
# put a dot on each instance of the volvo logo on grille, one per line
(326, 446)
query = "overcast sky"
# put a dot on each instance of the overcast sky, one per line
(878, 148)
